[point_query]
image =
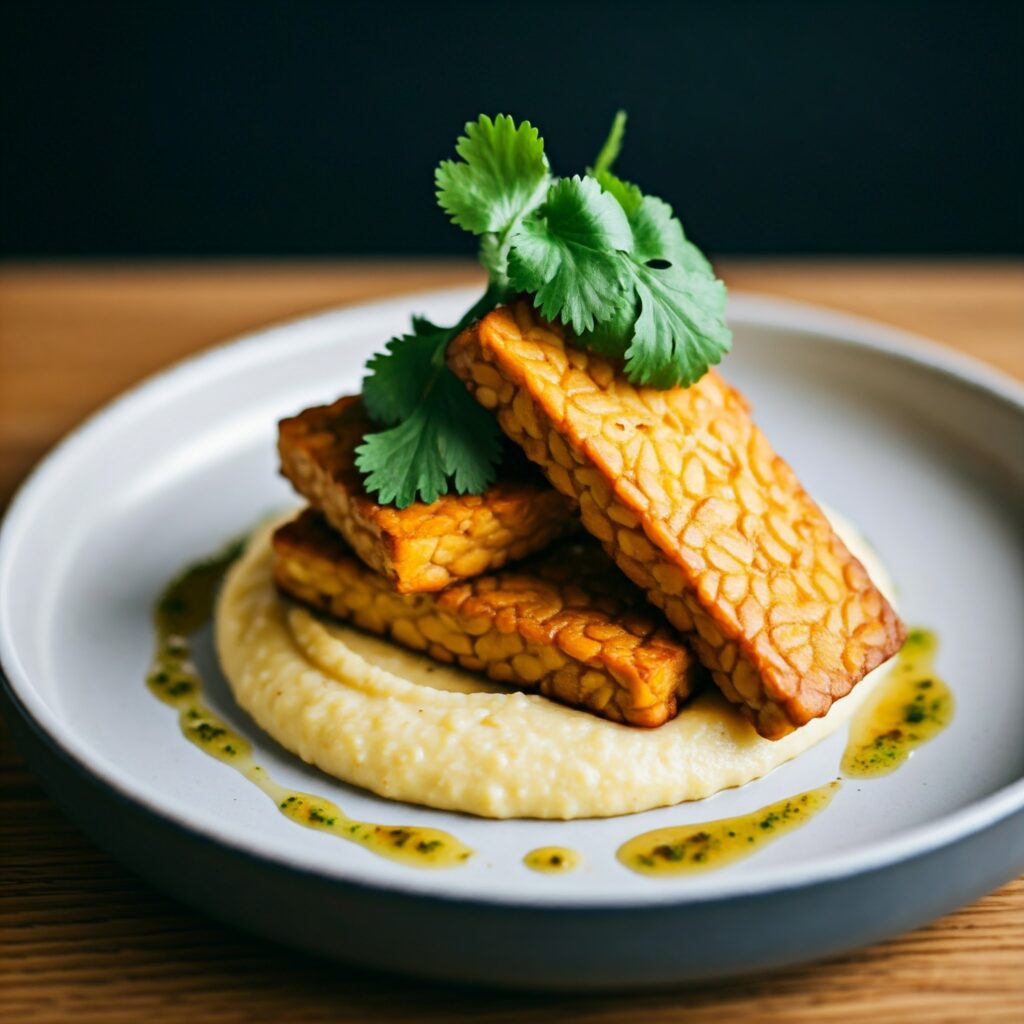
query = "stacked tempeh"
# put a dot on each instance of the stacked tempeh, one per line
(422, 547)
(434, 578)
(679, 487)
(689, 499)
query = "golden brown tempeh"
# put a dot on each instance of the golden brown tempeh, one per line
(688, 497)
(422, 547)
(565, 623)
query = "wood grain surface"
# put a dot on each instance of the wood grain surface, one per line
(81, 939)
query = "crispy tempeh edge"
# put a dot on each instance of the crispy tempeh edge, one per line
(564, 623)
(422, 547)
(688, 497)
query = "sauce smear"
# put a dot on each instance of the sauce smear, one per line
(553, 860)
(185, 607)
(912, 707)
(689, 849)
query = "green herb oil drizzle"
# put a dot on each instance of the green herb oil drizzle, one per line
(184, 608)
(912, 707)
(689, 849)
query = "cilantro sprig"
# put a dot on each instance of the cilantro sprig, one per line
(438, 435)
(595, 253)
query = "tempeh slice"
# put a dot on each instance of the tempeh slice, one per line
(422, 547)
(564, 623)
(688, 497)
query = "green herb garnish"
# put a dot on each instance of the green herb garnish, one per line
(593, 251)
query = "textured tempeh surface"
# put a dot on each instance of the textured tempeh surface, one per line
(564, 623)
(422, 547)
(688, 497)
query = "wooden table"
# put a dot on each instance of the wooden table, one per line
(82, 939)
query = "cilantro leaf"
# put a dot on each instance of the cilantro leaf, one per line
(471, 440)
(680, 331)
(658, 235)
(439, 436)
(671, 326)
(628, 195)
(448, 437)
(394, 384)
(503, 174)
(612, 335)
(403, 461)
(566, 253)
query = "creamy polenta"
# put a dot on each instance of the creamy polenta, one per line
(394, 722)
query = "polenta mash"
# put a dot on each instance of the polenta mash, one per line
(396, 723)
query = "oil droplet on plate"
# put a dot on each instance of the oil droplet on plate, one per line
(553, 860)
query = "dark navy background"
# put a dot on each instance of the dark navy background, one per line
(313, 127)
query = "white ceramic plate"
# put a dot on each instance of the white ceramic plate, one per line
(924, 450)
